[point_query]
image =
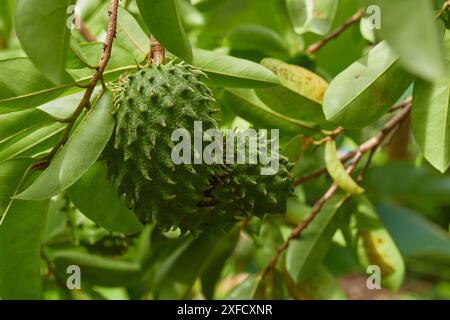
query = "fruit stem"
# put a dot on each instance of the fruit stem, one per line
(157, 52)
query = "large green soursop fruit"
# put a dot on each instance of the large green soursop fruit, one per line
(149, 106)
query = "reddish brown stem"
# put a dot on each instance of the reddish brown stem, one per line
(157, 52)
(104, 59)
(405, 104)
(318, 45)
(86, 33)
(367, 146)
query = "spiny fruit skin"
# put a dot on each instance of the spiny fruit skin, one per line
(247, 192)
(148, 106)
(242, 191)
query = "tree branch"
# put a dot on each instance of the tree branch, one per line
(349, 155)
(318, 45)
(86, 33)
(104, 59)
(367, 146)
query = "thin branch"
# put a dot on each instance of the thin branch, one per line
(318, 45)
(104, 59)
(330, 136)
(367, 146)
(363, 172)
(405, 104)
(157, 52)
(86, 33)
(402, 105)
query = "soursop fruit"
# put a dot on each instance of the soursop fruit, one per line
(148, 106)
(242, 191)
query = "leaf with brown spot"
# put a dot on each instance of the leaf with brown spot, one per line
(300, 94)
(373, 245)
(364, 91)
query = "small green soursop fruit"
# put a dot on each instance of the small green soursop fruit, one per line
(243, 191)
(149, 106)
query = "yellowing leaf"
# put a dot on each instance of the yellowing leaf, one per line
(298, 79)
(374, 246)
(337, 170)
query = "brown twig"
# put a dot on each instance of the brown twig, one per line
(367, 146)
(349, 155)
(157, 52)
(104, 59)
(318, 45)
(86, 33)
(401, 105)
(330, 136)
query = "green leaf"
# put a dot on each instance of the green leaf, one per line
(294, 148)
(97, 270)
(431, 122)
(414, 235)
(130, 36)
(104, 208)
(332, 59)
(58, 218)
(300, 94)
(63, 107)
(213, 269)
(246, 289)
(205, 258)
(312, 16)
(23, 86)
(42, 29)
(163, 20)
(226, 16)
(267, 238)
(366, 90)
(15, 123)
(246, 104)
(190, 15)
(320, 286)
(168, 262)
(305, 255)
(415, 38)
(20, 236)
(31, 142)
(227, 71)
(6, 20)
(373, 245)
(79, 153)
(406, 182)
(91, 52)
(337, 170)
(11, 174)
(262, 39)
